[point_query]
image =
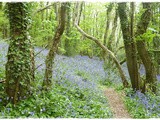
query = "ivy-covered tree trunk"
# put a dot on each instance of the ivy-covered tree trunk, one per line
(52, 52)
(130, 48)
(19, 69)
(142, 50)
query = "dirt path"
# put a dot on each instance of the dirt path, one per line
(116, 104)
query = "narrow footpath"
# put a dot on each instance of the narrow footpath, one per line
(116, 104)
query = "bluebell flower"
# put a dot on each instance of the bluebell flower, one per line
(31, 113)
(8, 109)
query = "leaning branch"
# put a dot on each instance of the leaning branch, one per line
(40, 10)
(46, 7)
(124, 80)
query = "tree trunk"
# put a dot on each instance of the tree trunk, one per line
(68, 33)
(106, 33)
(109, 9)
(156, 46)
(56, 40)
(0, 5)
(112, 36)
(130, 48)
(56, 10)
(81, 8)
(42, 14)
(19, 69)
(142, 50)
(112, 39)
(47, 15)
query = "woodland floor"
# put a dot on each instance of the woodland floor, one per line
(116, 103)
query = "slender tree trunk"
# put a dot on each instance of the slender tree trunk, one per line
(84, 16)
(106, 33)
(76, 6)
(81, 8)
(156, 46)
(156, 40)
(50, 15)
(112, 36)
(0, 5)
(42, 14)
(18, 67)
(56, 10)
(68, 27)
(142, 50)
(52, 52)
(109, 9)
(112, 39)
(47, 16)
(134, 49)
(119, 36)
(129, 43)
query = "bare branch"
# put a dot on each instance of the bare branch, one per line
(38, 66)
(41, 50)
(40, 10)
(46, 7)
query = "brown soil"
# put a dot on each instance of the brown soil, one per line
(116, 103)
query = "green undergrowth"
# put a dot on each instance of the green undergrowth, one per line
(140, 105)
(135, 109)
(59, 102)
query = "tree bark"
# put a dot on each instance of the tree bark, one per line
(56, 40)
(0, 5)
(19, 67)
(56, 7)
(156, 46)
(112, 36)
(130, 48)
(68, 27)
(42, 14)
(112, 39)
(106, 33)
(142, 50)
(109, 9)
